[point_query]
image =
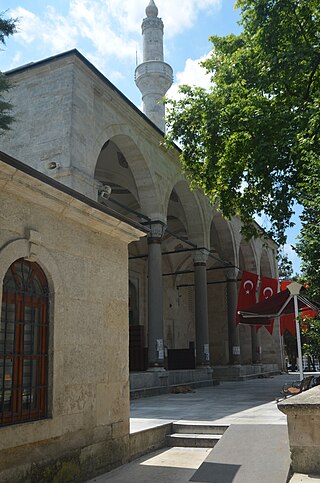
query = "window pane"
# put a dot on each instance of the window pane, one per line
(23, 328)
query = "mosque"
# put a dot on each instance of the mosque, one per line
(109, 262)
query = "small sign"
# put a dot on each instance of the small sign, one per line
(236, 350)
(159, 344)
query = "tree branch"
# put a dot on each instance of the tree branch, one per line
(302, 30)
(311, 76)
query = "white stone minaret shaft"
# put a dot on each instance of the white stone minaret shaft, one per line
(154, 76)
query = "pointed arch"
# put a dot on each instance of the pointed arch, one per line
(185, 204)
(146, 188)
(265, 264)
(222, 238)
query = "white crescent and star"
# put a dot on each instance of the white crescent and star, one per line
(248, 282)
(267, 289)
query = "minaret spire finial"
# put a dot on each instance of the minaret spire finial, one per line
(154, 76)
(152, 10)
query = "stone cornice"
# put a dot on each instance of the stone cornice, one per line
(37, 188)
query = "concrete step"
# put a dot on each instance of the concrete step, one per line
(198, 428)
(195, 435)
(193, 440)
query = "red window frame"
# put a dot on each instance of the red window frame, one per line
(24, 333)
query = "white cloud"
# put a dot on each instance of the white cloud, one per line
(58, 31)
(193, 75)
(178, 17)
(28, 26)
(115, 76)
(95, 23)
(16, 60)
(128, 14)
(112, 26)
(52, 29)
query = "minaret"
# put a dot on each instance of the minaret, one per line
(153, 77)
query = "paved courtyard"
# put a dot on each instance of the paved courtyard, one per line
(249, 402)
(246, 403)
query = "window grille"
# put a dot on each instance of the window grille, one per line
(24, 331)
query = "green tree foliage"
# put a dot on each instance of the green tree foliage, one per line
(310, 328)
(308, 247)
(252, 141)
(285, 266)
(7, 27)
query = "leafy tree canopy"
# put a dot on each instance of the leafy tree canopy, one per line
(308, 247)
(252, 141)
(285, 266)
(311, 336)
(7, 28)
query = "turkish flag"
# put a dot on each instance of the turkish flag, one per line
(287, 321)
(284, 284)
(268, 287)
(247, 292)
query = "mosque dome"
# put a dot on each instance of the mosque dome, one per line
(152, 10)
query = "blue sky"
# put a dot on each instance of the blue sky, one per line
(108, 33)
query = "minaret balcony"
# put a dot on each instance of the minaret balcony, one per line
(154, 76)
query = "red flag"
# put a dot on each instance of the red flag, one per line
(284, 284)
(268, 287)
(247, 292)
(289, 321)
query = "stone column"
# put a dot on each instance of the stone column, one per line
(201, 308)
(233, 329)
(256, 345)
(155, 298)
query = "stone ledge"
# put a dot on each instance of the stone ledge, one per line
(307, 400)
(245, 372)
(303, 414)
(159, 390)
(144, 384)
(148, 440)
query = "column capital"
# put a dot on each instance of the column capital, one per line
(200, 257)
(231, 273)
(157, 230)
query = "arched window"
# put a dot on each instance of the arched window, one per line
(24, 334)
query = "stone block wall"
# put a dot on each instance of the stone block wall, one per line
(303, 413)
(84, 255)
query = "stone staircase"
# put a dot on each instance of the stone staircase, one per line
(193, 435)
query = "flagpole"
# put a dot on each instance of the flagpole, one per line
(296, 314)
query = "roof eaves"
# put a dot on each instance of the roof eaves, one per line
(69, 191)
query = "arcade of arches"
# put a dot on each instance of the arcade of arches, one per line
(184, 277)
(91, 195)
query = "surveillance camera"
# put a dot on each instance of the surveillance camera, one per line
(105, 192)
(53, 165)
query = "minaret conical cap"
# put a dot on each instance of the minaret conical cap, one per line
(152, 10)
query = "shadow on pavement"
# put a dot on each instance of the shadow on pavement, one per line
(215, 473)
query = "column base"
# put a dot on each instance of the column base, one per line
(243, 372)
(156, 369)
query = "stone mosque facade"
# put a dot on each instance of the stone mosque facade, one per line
(137, 270)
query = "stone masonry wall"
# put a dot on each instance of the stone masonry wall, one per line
(87, 430)
(303, 413)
